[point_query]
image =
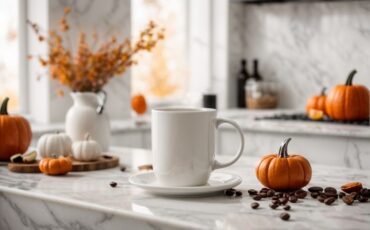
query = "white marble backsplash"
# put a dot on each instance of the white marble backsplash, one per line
(302, 45)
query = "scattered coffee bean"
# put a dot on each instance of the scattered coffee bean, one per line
(257, 197)
(273, 206)
(321, 198)
(314, 195)
(275, 197)
(365, 192)
(315, 189)
(329, 200)
(286, 207)
(331, 195)
(363, 199)
(293, 199)
(283, 200)
(348, 199)
(252, 192)
(353, 195)
(264, 190)
(238, 193)
(341, 194)
(123, 168)
(255, 205)
(284, 216)
(230, 192)
(301, 194)
(270, 193)
(275, 202)
(263, 194)
(330, 190)
(113, 184)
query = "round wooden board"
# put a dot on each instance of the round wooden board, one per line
(104, 162)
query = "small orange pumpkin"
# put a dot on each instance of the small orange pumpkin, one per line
(138, 104)
(348, 102)
(15, 133)
(283, 172)
(55, 166)
(317, 102)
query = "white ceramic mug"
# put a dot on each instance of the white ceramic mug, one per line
(183, 144)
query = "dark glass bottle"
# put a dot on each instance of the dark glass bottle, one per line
(256, 75)
(242, 79)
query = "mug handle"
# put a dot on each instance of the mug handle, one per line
(102, 97)
(217, 164)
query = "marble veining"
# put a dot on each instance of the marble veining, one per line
(90, 192)
(304, 45)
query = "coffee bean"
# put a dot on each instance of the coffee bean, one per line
(263, 194)
(314, 195)
(341, 194)
(279, 194)
(330, 190)
(275, 202)
(238, 193)
(284, 216)
(275, 197)
(257, 197)
(283, 200)
(123, 168)
(255, 205)
(353, 195)
(365, 192)
(274, 206)
(270, 193)
(252, 192)
(264, 190)
(348, 199)
(363, 199)
(113, 184)
(321, 198)
(230, 192)
(293, 199)
(286, 207)
(329, 200)
(301, 194)
(286, 195)
(331, 195)
(315, 189)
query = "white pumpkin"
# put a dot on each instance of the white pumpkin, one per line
(54, 145)
(86, 150)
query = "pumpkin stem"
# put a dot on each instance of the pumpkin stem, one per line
(283, 151)
(4, 107)
(87, 136)
(323, 91)
(350, 77)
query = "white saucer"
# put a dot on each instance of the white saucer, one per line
(217, 182)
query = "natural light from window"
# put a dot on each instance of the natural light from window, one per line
(162, 74)
(9, 55)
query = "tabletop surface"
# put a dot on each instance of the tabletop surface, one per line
(92, 190)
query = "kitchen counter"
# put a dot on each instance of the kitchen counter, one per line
(85, 200)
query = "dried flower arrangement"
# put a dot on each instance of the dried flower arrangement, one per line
(89, 69)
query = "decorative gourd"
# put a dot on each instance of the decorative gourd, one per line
(15, 133)
(283, 172)
(86, 150)
(55, 144)
(138, 104)
(317, 102)
(55, 166)
(348, 102)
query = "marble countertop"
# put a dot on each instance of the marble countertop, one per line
(91, 190)
(245, 118)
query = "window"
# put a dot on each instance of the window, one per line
(162, 75)
(9, 53)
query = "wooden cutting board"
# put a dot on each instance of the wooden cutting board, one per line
(104, 162)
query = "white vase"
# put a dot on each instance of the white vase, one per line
(86, 116)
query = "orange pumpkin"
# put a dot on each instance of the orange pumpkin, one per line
(55, 166)
(348, 102)
(15, 133)
(138, 104)
(283, 172)
(317, 102)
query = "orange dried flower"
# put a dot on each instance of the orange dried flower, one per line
(90, 68)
